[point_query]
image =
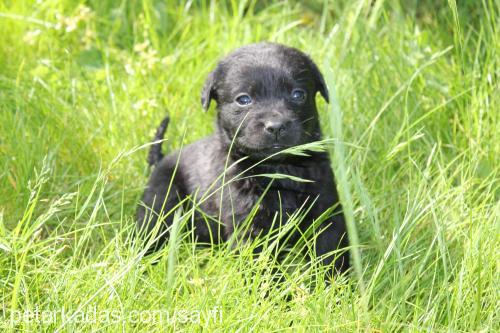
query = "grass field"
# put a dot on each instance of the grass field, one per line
(84, 85)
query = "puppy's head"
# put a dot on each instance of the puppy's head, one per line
(265, 96)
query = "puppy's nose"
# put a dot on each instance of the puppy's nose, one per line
(274, 127)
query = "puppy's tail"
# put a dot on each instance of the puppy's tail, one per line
(155, 155)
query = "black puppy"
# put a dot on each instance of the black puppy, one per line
(265, 96)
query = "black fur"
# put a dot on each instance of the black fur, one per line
(155, 155)
(268, 73)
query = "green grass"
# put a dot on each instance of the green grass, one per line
(415, 123)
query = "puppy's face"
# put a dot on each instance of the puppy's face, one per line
(265, 95)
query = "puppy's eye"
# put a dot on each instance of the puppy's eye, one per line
(298, 95)
(243, 100)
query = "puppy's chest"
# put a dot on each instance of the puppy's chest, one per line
(273, 193)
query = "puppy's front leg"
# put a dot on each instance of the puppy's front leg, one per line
(333, 237)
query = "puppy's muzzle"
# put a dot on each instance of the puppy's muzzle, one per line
(276, 129)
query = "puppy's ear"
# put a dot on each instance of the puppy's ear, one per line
(320, 81)
(208, 91)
